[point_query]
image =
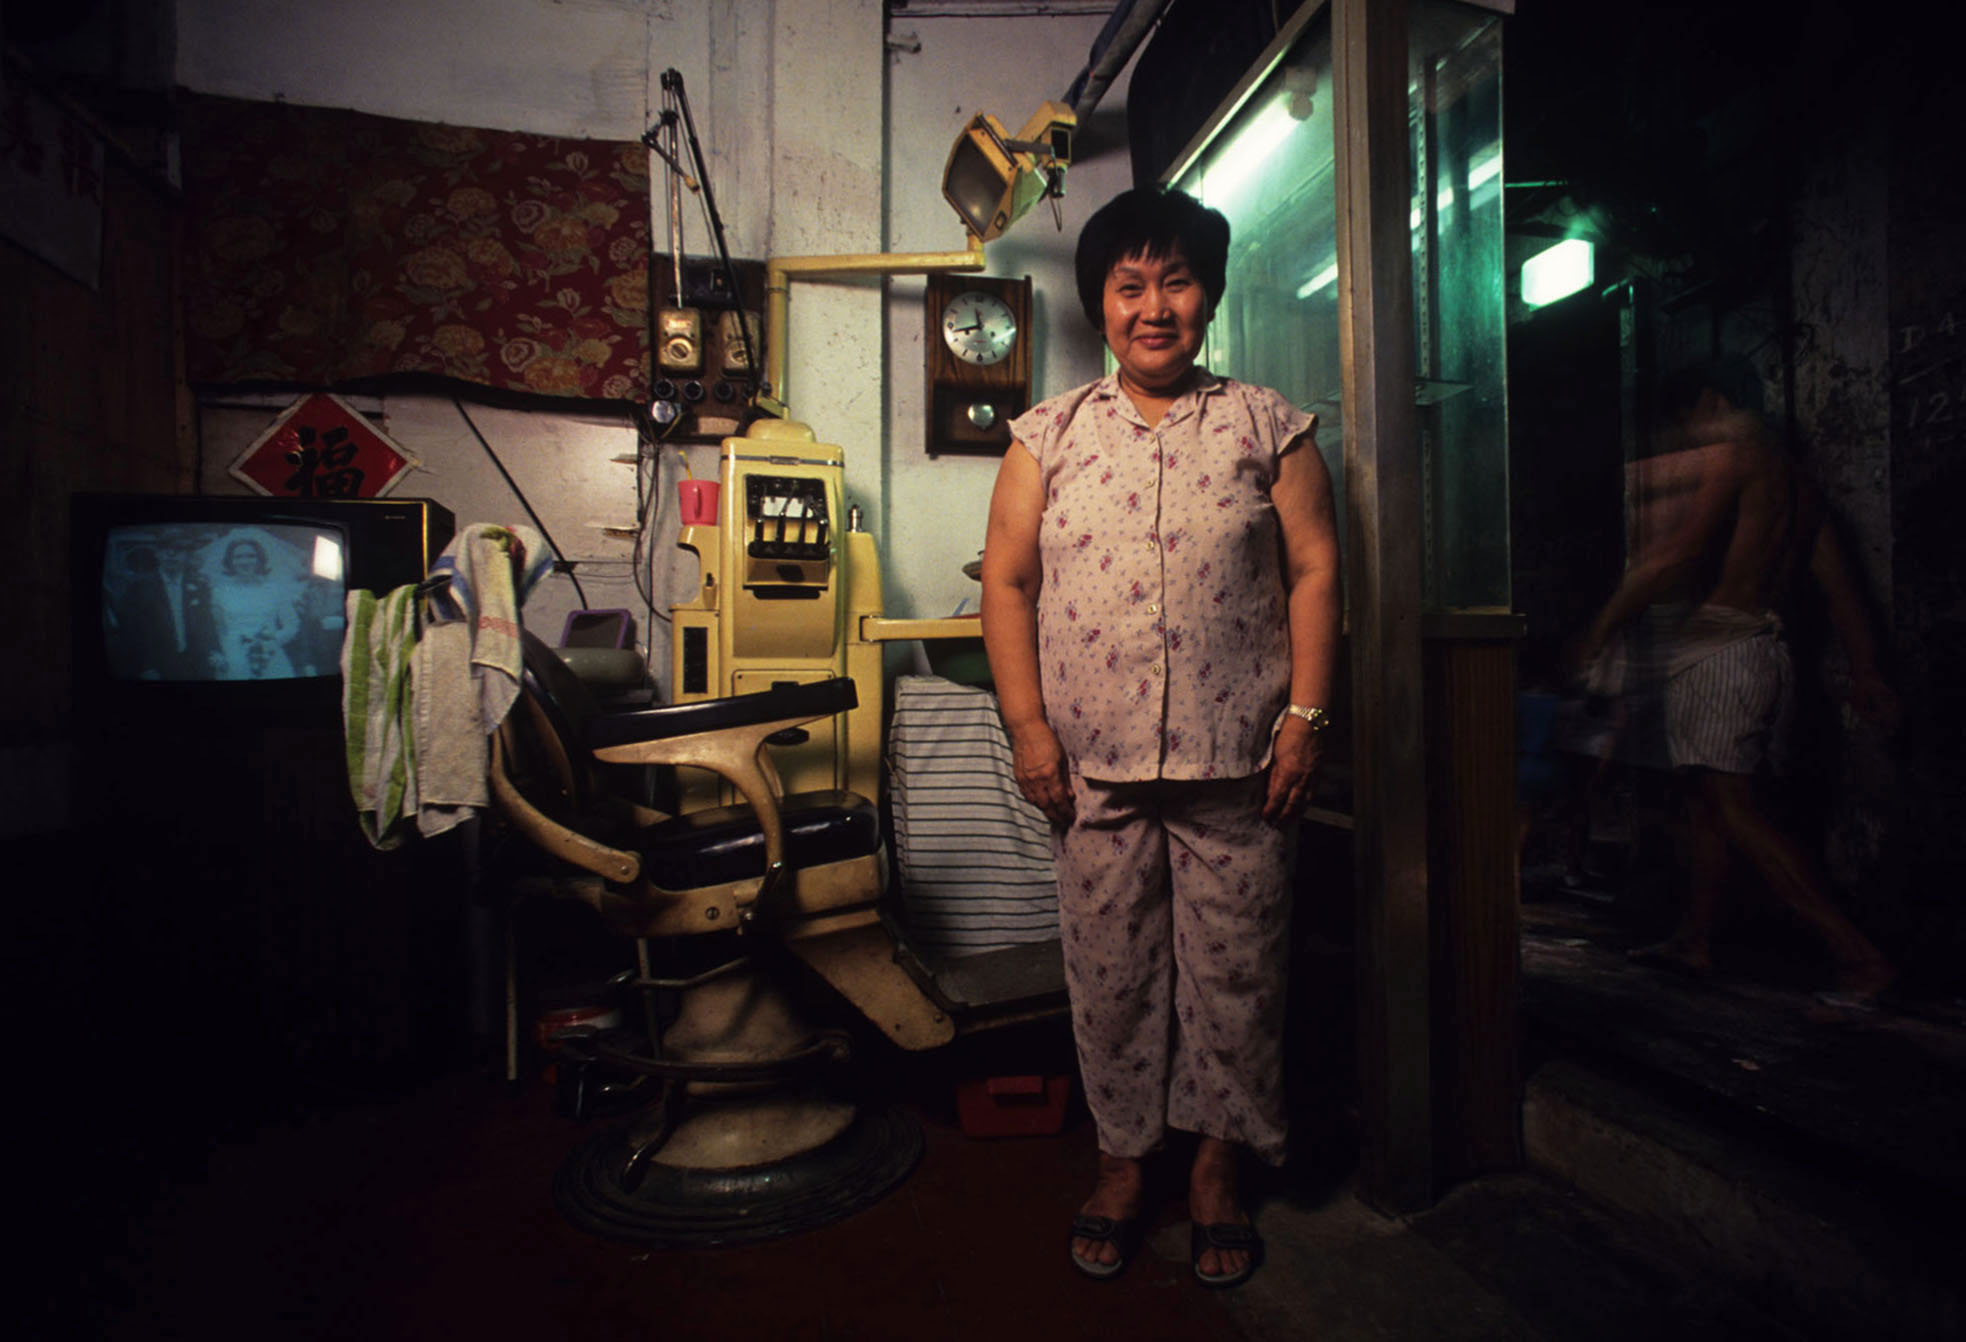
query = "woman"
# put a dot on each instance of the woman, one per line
(258, 613)
(1160, 607)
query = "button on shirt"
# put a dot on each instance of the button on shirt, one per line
(1163, 637)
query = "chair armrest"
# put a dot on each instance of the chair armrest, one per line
(549, 834)
(727, 737)
(803, 702)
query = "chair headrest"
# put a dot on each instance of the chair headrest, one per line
(568, 703)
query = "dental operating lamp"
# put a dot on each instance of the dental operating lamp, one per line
(992, 178)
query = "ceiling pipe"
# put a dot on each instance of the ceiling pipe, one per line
(1125, 30)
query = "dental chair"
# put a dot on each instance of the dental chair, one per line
(746, 1128)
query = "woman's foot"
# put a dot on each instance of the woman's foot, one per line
(1213, 1200)
(1119, 1195)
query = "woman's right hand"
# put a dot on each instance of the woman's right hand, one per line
(1043, 776)
(1013, 577)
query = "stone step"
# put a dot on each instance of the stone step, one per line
(1812, 1235)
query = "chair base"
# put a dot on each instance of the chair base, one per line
(677, 1207)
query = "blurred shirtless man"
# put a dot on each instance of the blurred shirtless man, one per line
(1725, 525)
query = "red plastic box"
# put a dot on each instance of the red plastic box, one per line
(1012, 1106)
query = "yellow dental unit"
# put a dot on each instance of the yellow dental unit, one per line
(790, 594)
(784, 582)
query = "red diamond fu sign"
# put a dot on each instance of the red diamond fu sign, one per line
(323, 448)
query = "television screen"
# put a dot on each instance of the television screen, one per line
(216, 600)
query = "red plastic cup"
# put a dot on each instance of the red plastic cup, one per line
(698, 502)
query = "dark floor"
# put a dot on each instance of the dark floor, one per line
(431, 1213)
(433, 1217)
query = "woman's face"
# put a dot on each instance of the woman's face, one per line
(245, 559)
(1156, 315)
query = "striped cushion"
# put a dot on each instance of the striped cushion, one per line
(972, 858)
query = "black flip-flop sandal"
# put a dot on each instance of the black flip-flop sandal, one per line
(1227, 1237)
(1103, 1230)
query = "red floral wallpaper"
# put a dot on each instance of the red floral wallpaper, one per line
(326, 246)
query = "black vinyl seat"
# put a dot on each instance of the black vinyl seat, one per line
(726, 843)
(555, 765)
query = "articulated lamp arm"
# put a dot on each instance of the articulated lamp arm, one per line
(780, 271)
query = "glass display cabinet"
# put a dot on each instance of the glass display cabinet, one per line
(1324, 304)
(1268, 162)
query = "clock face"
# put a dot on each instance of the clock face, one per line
(980, 328)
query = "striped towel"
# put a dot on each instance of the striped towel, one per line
(972, 857)
(492, 570)
(375, 690)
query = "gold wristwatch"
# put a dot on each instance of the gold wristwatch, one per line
(1317, 717)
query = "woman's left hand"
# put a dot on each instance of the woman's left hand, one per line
(1292, 762)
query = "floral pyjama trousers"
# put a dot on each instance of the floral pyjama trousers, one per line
(1174, 911)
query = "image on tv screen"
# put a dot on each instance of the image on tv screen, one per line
(186, 601)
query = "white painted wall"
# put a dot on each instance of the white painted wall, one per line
(819, 143)
(554, 67)
(827, 183)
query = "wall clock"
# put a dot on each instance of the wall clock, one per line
(978, 360)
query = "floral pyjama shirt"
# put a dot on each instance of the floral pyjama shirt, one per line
(1163, 638)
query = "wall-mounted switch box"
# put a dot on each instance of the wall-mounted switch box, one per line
(679, 340)
(732, 327)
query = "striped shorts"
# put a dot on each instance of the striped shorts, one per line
(1730, 712)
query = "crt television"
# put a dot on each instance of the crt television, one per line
(231, 602)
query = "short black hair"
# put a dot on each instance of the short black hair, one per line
(1155, 222)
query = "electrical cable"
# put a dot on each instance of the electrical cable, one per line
(560, 562)
(636, 549)
(642, 554)
(673, 78)
(675, 193)
(648, 454)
